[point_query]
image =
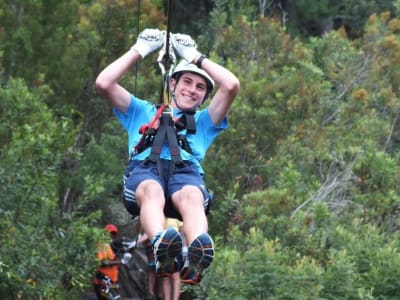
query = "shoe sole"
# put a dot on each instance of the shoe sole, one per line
(200, 255)
(166, 248)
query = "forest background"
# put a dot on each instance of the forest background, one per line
(306, 180)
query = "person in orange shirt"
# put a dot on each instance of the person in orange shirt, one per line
(106, 280)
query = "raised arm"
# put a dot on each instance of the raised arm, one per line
(227, 83)
(227, 89)
(108, 80)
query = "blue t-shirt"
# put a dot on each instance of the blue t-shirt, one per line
(141, 112)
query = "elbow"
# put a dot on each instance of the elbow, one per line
(102, 84)
(233, 87)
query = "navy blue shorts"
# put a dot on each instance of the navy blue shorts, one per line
(182, 175)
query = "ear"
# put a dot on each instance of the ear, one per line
(172, 84)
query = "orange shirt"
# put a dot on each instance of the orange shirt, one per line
(104, 252)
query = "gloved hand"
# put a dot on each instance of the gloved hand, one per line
(129, 244)
(185, 46)
(161, 54)
(126, 258)
(148, 41)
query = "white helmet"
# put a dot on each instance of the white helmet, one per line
(184, 66)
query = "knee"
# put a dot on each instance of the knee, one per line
(189, 196)
(149, 189)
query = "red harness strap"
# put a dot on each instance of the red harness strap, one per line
(144, 129)
(154, 134)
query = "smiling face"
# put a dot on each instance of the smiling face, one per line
(190, 91)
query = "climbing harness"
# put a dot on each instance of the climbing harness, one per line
(164, 128)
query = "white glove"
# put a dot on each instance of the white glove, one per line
(129, 244)
(171, 51)
(185, 46)
(126, 258)
(148, 41)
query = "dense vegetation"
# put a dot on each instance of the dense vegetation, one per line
(306, 180)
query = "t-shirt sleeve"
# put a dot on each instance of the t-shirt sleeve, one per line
(138, 114)
(206, 133)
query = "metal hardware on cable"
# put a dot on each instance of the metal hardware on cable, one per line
(166, 62)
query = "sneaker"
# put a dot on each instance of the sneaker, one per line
(200, 256)
(167, 247)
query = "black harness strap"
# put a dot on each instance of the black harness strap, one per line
(149, 132)
(190, 123)
(186, 122)
(166, 131)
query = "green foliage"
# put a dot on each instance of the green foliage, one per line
(39, 246)
(333, 162)
(305, 179)
(104, 161)
(276, 98)
(307, 18)
(396, 5)
(322, 260)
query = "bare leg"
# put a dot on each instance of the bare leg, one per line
(150, 198)
(166, 288)
(189, 202)
(176, 286)
(152, 279)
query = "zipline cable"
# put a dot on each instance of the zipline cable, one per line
(137, 34)
(166, 63)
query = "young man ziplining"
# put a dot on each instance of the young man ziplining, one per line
(164, 177)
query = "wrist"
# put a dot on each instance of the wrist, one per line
(141, 49)
(199, 60)
(134, 52)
